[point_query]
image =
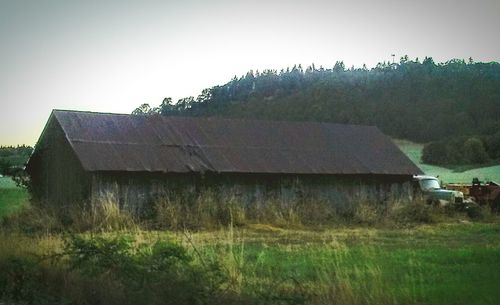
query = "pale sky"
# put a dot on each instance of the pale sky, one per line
(112, 56)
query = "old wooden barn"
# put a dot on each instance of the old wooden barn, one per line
(83, 155)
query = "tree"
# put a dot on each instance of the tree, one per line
(144, 109)
(494, 146)
(428, 61)
(339, 66)
(474, 151)
(425, 101)
(4, 166)
(435, 153)
(184, 103)
(167, 107)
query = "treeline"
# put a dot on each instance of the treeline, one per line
(463, 150)
(13, 158)
(416, 100)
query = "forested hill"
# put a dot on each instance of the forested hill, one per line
(418, 101)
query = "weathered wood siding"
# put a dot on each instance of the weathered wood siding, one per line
(136, 191)
(56, 174)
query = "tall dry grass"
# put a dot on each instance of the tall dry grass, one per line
(102, 214)
(208, 211)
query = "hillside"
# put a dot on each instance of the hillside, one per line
(453, 104)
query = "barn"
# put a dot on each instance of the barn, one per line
(81, 156)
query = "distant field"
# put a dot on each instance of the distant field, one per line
(11, 197)
(414, 152)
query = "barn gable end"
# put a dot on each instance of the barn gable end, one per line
(56, 173)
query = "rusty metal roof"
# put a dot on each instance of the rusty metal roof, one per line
(119, 142)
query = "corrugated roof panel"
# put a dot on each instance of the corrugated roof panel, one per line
(116, 142)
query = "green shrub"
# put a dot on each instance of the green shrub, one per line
(162, 273)
(476, 212)
(112, 270)
(461, 150)
(436, 153)
(474, 151)
(19, 280)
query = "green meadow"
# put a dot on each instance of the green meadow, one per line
(443, 264)
(11, 197)
(414, 152)
(438, 264)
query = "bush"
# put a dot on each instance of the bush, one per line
(112, 270)
(19, 280)
(462, 150)
(476, 212)
(493, 146)
(435, 153)
(163, 273)
(474, 151)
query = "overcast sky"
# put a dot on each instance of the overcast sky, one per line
(112, 56)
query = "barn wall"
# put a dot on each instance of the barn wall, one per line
(56, 174)
(136, 191)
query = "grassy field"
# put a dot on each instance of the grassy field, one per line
(446, 264)
(11, 197)
(440, 264)
(414, 152)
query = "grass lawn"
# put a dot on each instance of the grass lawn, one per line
(11, 197)
(414, 152)
(439, 264)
